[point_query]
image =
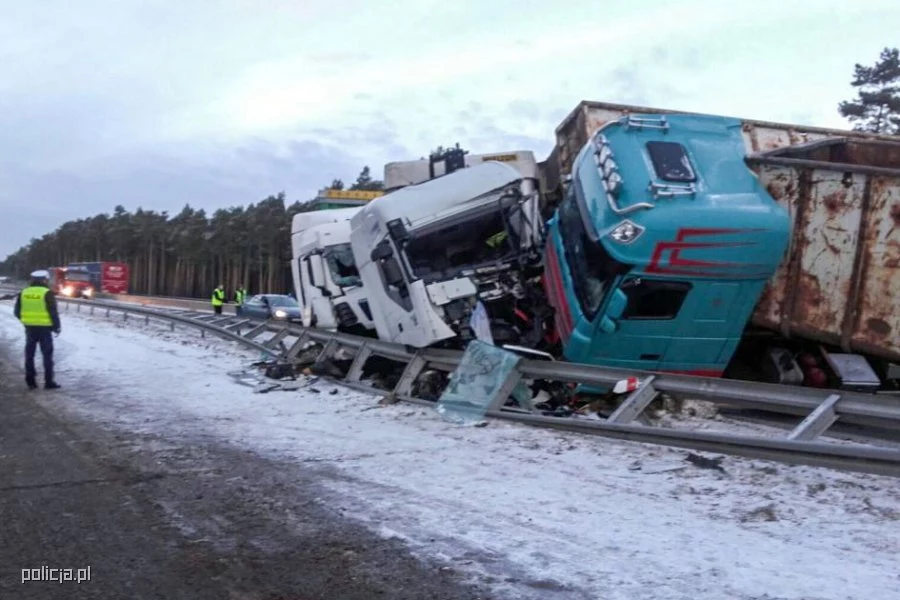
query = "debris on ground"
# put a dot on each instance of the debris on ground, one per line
(705, 463)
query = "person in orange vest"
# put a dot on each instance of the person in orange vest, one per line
(36, 309)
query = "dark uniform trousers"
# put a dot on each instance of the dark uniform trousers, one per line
(38, 336)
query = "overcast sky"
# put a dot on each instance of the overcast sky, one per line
(222, 102)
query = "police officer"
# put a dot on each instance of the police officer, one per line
(36, 308)
(218, 299)
(240, 294)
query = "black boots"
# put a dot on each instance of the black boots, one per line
(50, 385)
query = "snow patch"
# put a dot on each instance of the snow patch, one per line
(539, 514)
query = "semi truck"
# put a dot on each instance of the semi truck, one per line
(77, 280)
(828, 312)
(326, 281)
(432, 253)
(71, 282)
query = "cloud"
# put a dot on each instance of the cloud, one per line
(41, 200)
(157, 104)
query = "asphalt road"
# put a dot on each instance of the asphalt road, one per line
(156, 518)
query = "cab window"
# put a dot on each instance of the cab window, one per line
(591, 267)
(671, 162)
(653, 299)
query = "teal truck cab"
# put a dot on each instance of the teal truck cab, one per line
(661, 246)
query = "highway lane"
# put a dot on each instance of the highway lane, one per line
(156, 518)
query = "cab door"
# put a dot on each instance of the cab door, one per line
(639, 319)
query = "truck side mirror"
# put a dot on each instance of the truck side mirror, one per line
(614, 311)
(607, 325)
(381, 251)
(392, 273)
(317, 270)
(617, 304)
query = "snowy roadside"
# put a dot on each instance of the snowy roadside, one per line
(545, 514)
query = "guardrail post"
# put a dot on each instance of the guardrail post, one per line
(77, 308)
(297, 346)
(635, 403)
(124, 316)
(506, 389)
(237, 325)
(817, 421)
(276, 339)
(146, 319)
(107, 313)
(255, 331)
(327, 351)
(413, 368)
(92, 310)
(359, 361)
(171, 325)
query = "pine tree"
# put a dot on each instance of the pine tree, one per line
(877, 106)
(365, 182)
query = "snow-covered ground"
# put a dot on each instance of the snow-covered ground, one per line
(541, 514)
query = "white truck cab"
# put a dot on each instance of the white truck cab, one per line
(327, 284)
(429, 253)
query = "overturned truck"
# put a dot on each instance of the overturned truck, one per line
(655, 240)
(431, 254)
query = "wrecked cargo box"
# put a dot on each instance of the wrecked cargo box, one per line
(841, 282)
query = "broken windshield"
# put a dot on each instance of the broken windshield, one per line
(461, 242)
(592, 268)
(341, 265)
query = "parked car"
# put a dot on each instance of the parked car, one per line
(272, 306)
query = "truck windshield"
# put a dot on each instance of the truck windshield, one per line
(281, 301)
(341, 265)
(475, 239)
(78, 276)
(591, 267)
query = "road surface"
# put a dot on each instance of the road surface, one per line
(156, 520)
(170, 479)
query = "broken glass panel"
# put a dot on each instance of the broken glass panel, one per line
(475, 383)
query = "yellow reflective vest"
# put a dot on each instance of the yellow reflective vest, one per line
(218, 297)
(33, 307)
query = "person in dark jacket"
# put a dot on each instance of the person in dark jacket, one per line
(36, 309)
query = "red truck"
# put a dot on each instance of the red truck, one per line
(83, 280)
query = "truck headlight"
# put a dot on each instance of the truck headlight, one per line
(67, 291)
(88, 292)
(280, 314)
(626, 232)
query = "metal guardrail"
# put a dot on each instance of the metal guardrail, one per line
(802, 445)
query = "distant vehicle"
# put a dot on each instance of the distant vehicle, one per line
(105, 277)
(272, 306)
(71, 282)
